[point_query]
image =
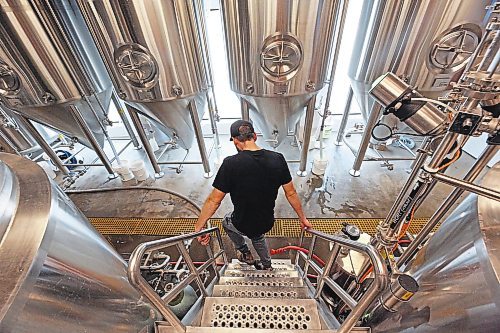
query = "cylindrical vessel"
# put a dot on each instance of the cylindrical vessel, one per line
(58, 273)
(152, 51)
(427, 42)
(278, 52)
(47, 62)
(458, 273)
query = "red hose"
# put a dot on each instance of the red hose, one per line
(297, 248)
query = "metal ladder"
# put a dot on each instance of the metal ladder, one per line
(248, 300)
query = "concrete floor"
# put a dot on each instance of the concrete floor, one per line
(337, 194)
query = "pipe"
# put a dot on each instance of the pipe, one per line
(44, 145)
(467, 186)
(123, 116)
(199, 138)
(335, 59)
(345, 117)
(95, 145)
(419, 161)
(134, 116)
(98, 190)
(307, 136)
(365, 140)
(471, 176)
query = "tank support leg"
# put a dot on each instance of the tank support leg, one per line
(365, 140)
(307, 136)
(245, 110)
(199, 138)
(95, 145)
(345, 118)
(120, 107)
(134, 116)
(44, 145)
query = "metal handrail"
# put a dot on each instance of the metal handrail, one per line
(379, 284)
(136, 279)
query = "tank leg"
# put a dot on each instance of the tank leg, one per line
(44, 145)
(199, 138)
(307, 137)
(245, 111)
(134, 116)
(123, 115)
(345, 117)
(95, 145)
(365, 140)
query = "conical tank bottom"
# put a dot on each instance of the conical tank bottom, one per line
(59, 117)
(276, 116)
(173, 117)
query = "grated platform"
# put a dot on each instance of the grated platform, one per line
(261, 274)
(282, 228)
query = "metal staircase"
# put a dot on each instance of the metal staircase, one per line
(241, 298)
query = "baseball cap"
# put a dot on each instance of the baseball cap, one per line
(235, 128)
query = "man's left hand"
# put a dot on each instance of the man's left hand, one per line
(203, 240)
(305, 224)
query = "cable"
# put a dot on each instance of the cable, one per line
(297, 248)
(458, 153)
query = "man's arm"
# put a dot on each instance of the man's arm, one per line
(209, 208)
(293, 199)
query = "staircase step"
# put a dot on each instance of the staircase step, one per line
(276, 267)
(254, 330)
(260, 313)
(260, 274)
(252, 281)
(273, 261)
(260, 292)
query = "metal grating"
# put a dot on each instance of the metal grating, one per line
(282, 228)
(260, 314)
(259, 292)
(261, 274)
(240, 281)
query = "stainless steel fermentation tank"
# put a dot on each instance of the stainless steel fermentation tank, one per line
(458, 273)
(278, 52)
(47, 63)
(58, 273)
(153, 52)
(426, 42)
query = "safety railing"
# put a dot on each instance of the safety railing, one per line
(379, 284)
(137, 280)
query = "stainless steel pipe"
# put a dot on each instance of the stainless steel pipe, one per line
(467, 186)
(472, 174)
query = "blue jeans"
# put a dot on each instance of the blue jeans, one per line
(259, 242)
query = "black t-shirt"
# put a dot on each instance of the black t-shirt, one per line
(253, 178)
